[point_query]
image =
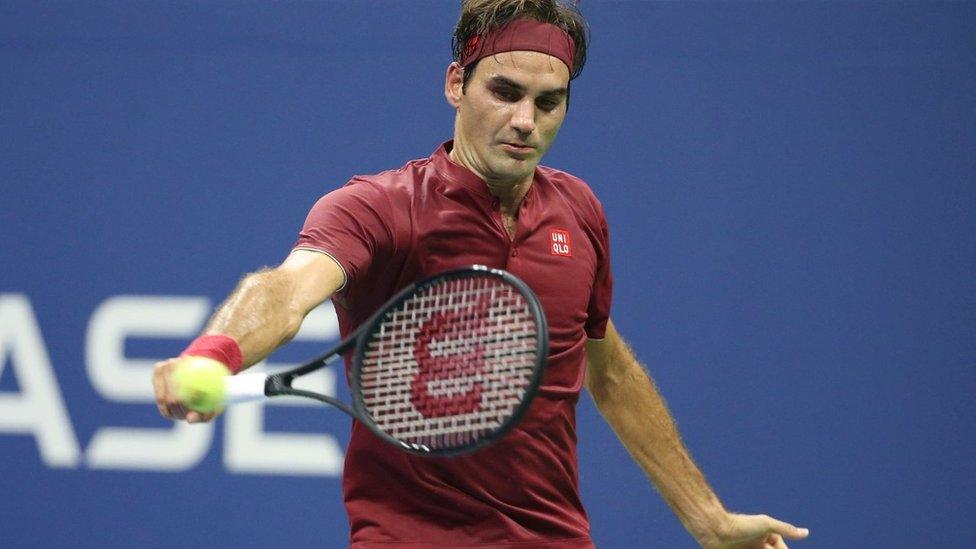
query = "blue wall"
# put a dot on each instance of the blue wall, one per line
(792, 205)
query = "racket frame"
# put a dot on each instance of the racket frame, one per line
(281, 383)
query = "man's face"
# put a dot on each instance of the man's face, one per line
(508, 114)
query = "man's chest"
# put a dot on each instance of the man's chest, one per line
(548, 248)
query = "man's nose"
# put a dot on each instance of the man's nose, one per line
(523, 119)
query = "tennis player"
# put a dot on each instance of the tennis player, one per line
(482, 198)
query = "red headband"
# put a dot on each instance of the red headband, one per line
(522, 35)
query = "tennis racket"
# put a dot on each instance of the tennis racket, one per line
(446, 366)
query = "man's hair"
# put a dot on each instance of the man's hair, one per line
(479, 17)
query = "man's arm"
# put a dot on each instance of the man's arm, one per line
(264, 312)
(635, 410)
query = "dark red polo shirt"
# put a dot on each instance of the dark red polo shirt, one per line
(431, 215)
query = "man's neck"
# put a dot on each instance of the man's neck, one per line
(509, 193)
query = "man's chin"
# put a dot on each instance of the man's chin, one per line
(516, 168)
(512, 176)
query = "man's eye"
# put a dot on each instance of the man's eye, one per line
(507, 95)
(548, 105)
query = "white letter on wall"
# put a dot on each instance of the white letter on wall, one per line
(38, 409)
(120, 379)
(249, 449)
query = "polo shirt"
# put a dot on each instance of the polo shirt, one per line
(393, 228)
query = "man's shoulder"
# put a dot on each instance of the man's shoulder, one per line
(566, 180)
(572, 187)
(395, 182)
(410, 171)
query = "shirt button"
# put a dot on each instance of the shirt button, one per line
(514, 252)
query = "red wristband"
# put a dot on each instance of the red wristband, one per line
(218, 347)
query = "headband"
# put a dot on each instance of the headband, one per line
(519, 35)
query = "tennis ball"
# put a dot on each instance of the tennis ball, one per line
(200, 383)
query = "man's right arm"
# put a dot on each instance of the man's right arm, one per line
(264, 312)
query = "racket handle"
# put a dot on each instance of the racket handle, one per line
(245, 387)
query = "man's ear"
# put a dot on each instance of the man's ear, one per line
(453, 82)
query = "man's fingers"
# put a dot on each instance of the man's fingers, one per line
(177, 411)
(775, 541)
(157, 382)
(164, 386)
(161, 388)
(176, 408)
(197, 417)
(785, 529)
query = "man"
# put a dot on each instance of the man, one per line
(482, 198)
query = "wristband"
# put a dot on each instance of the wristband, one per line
(218, 347)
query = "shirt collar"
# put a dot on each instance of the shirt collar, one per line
(457, 173)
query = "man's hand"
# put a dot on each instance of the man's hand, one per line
(165, 387)
(265, 311)
(752, 532)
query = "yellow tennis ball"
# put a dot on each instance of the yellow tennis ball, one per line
(200, 383)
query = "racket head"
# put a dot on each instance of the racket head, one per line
(451, 363)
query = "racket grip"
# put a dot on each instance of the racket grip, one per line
(244, 387)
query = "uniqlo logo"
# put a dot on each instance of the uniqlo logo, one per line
(560, 243)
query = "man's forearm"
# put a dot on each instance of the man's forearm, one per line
(258, 315)
(633, 407)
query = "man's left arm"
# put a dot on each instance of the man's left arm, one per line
(635, 410)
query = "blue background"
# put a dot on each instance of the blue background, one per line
(792, 204)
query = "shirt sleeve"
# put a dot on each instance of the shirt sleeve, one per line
(352, 225)
(598, 310)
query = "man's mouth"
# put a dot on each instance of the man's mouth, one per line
(518, 148)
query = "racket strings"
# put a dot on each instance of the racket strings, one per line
(451, 364)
